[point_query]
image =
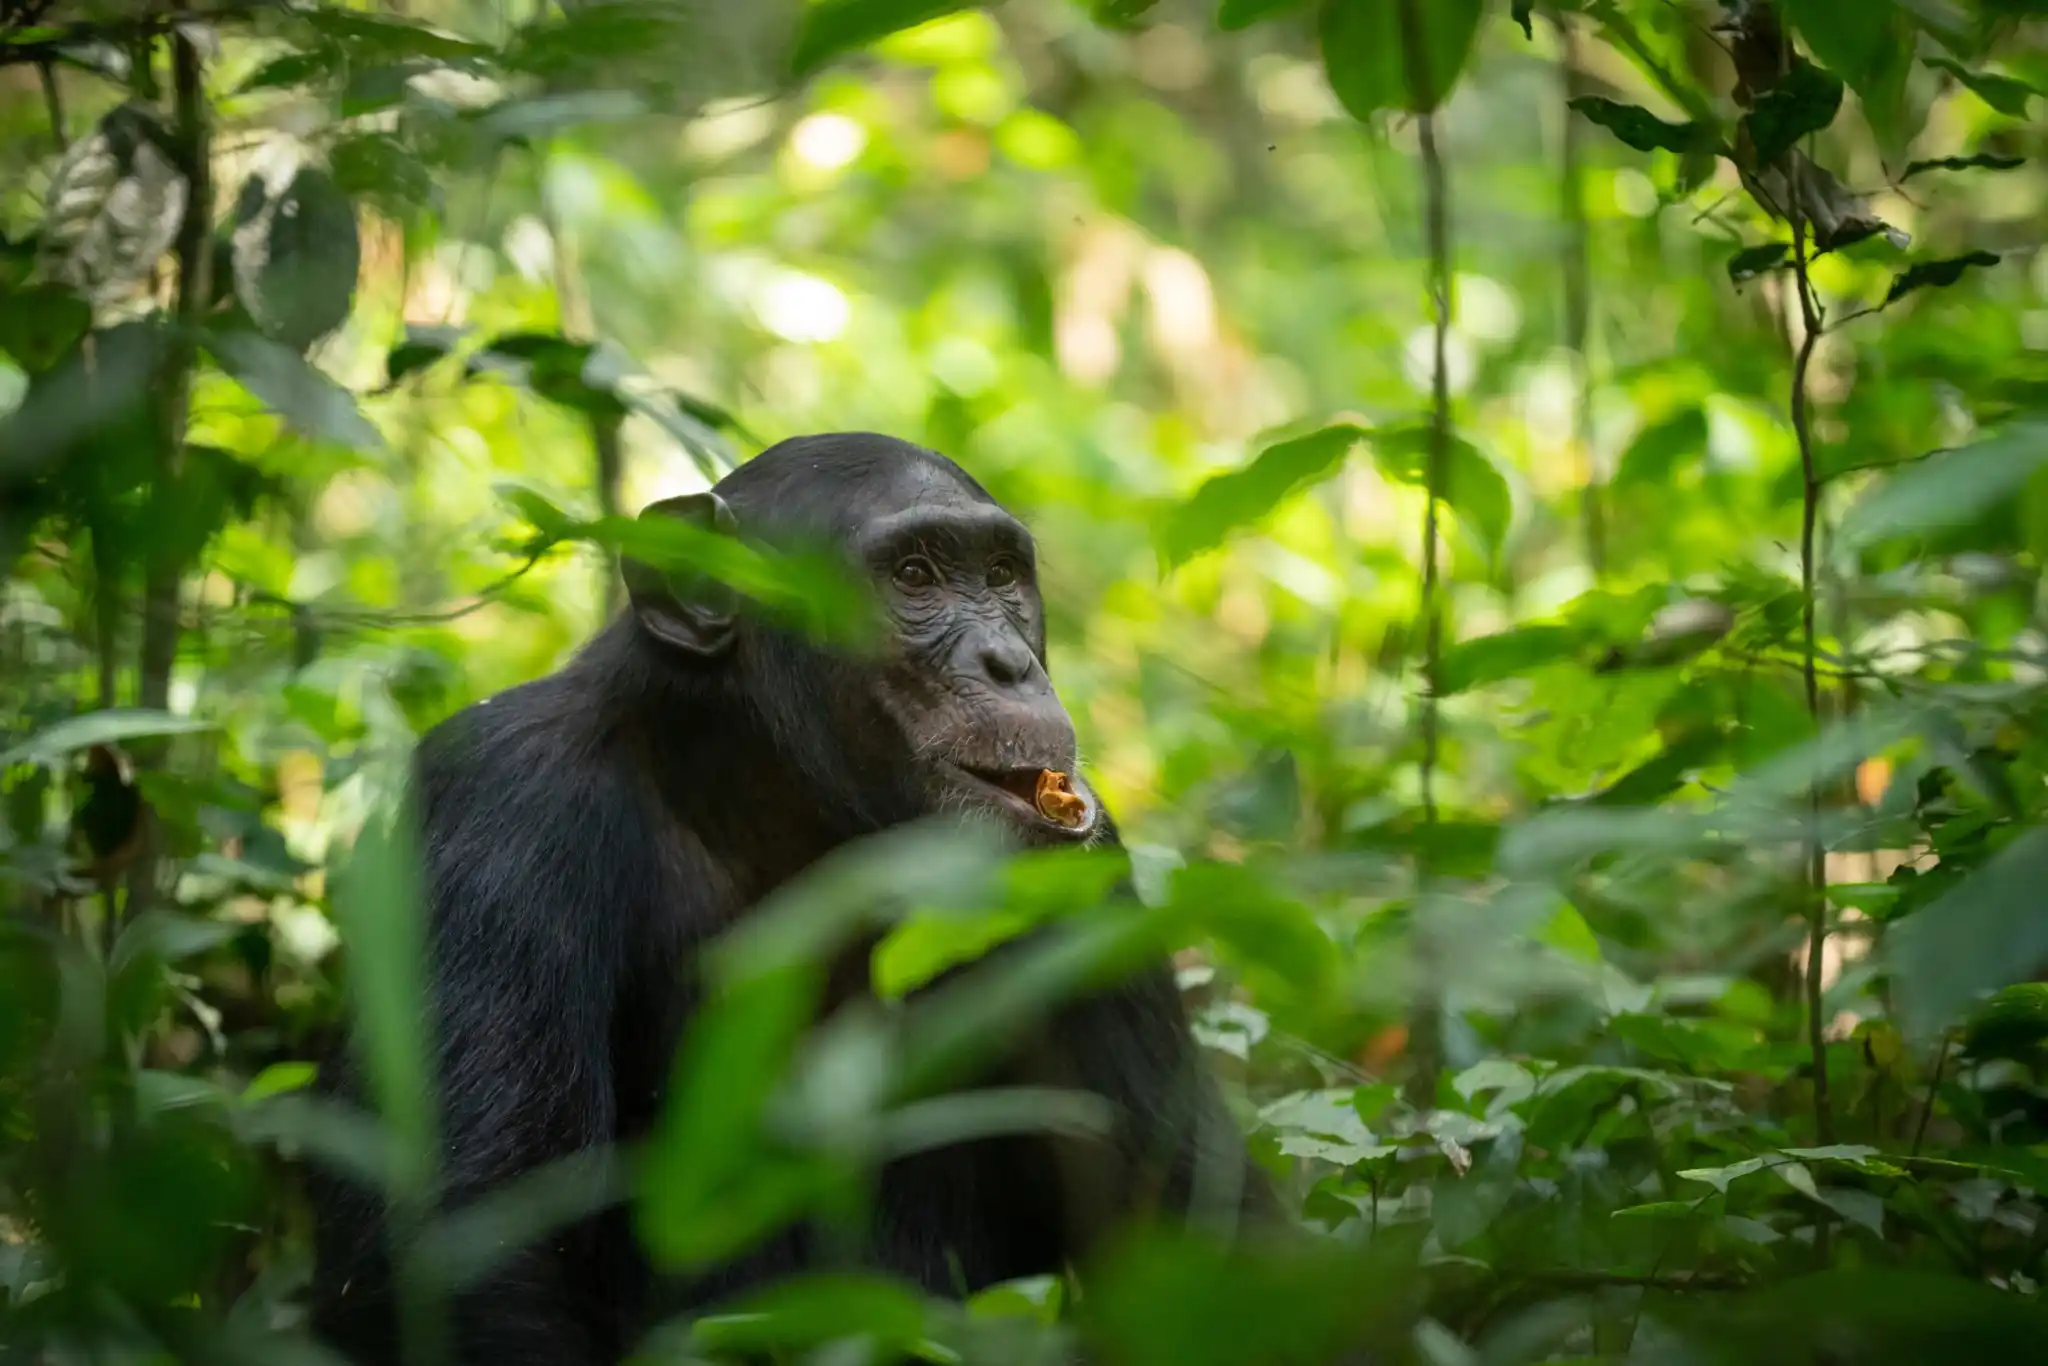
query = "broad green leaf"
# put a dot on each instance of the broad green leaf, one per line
(293, 68)
(1638, 127)
(54, 743)
(1865, 1209)
(732, 1058)
(423, 345)
(578, 375)
(377, 38)
(280, 1078)
(813, 1310)
(1473, 489)
(1505, 654)
(1720, 1178)
(41, 324)
(1653, 459)
(1804, 102)
(2013, 1023)
(1521, 12)
(1985, 934)
(1161, 1301)
(380, 909)
(2007, 94)
(833, 27)
(1751, 262)
(295, 253)
(165, 937)
(1661, 1209)
(550, 521)
(1367, 52)
(376, 168)
(1862, 40)
(1936, 274)
(289, 385)
(1795, 1175)
(1240, 497)
(1240, 14)
(1988, 161)
(1948, 488)
(1120, 14)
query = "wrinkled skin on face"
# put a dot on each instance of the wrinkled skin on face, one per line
(953, 711)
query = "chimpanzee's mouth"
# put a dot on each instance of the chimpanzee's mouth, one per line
(1043, 798)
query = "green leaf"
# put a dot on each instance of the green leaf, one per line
(1638, 127)
(581, 376)
(280, 1078)
(1120, 14)
(2013, 1023)
(2007, 94)
(1989, 161)
(293, 68)
(1240, 497)
(39, 325)
(295, 254)
(709, 1135)
(379, 169)
(1521, 12)
(1473, 489)
(1948, 488)
(1720, 1178)
(289, 385)
(1661, 1209)
(1936, 274)
(815, 1310)
(164, 937)
(1984, 934)
(1505, 654)
(838, 26)
(370, 38)
(1653, 459)
(1862, 39)
(1162, 1301)
(1751, 262)
(1366, 52)
(424, 344)
(380, 910)
(1242, 14)
(1806, 101)
(54, 743)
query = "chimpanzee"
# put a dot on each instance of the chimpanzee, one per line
(586, 834)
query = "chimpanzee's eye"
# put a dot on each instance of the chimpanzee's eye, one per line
(1002, 573)
(915, 573)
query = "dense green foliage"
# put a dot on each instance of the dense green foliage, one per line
(1543, 505)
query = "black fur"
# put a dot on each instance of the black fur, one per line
(586, 834)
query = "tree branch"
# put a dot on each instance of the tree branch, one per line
(1578, 294)
(163, 578)
(1425, 1045)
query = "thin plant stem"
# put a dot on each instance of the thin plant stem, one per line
(164, 570)
(1425, 1042)
(1812, 327)
(1578, 296)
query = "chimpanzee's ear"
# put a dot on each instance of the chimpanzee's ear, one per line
(689, 612)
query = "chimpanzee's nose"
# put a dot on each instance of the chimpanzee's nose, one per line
(1006, 660)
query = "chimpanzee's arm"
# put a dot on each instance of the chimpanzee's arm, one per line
(532, 860)
(1176, 1150)
(1176, 1146)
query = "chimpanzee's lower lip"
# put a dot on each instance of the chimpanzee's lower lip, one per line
(1016, 789)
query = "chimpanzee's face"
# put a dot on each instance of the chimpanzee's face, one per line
(954, 712)
(963, 673)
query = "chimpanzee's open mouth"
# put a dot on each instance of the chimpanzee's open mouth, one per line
(1046, 798)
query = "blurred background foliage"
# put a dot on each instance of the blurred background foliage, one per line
(1542, 505)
